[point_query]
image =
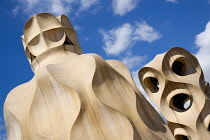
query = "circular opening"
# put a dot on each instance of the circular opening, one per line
(179, 66)
(152, 83)
(209, 127)
(181, 102)
(182, 137)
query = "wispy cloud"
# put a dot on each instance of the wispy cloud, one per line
(78, 28)
(117, 39)
(144, 32)
(173, 1)
(15, 10)
(203, 42)
(86, 4)
(57, 7)
(122, 7)
(131, 60)
(3, 135)
(122, 38)
(86, 39)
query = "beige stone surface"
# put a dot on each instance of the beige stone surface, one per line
(75, 96)
(175, 82)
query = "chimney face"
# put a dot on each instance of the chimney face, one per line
(44, 32)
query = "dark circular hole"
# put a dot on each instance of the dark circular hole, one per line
(152, 83)
(178, 67)
(182, 137)
(181, 102)
(209, 127)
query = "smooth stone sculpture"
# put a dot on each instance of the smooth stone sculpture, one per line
(175, 82)
(75, 96)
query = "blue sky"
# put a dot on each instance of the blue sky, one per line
(132, 31)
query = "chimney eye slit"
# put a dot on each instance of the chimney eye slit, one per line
(67, 42)
(152, 83)
(182, 137)
(181, 102)
(179, 66)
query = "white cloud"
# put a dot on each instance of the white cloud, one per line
(203, 42)
(86, 4)
(117, 40)
(57, 7)
(145, 32)
(132, 60)
(174, 1)
(122, 38)
(121, 7)
(77, 28)
(86, 38)
(15, 10)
